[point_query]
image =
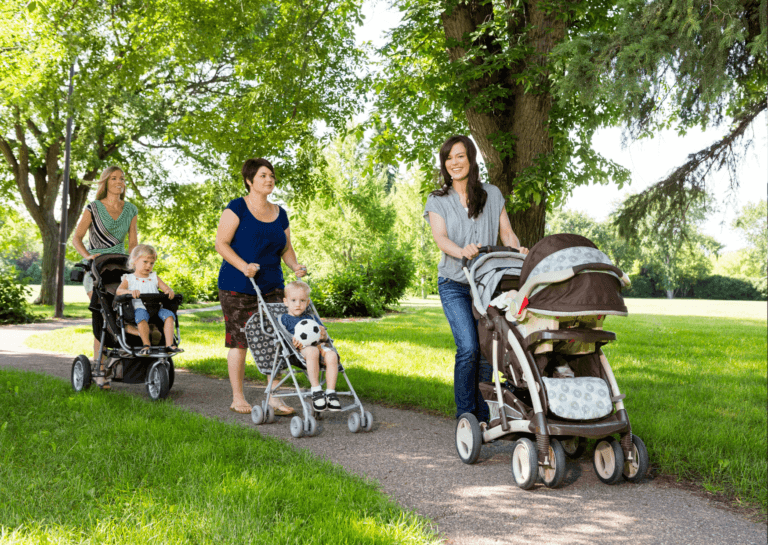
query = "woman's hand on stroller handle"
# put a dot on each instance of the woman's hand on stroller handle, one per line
(300, 270)
(485, 250)
(251, 269)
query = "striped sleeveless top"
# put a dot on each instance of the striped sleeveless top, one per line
(107, 235)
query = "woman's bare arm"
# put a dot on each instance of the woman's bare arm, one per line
(508, 236)
(446, 245)
(289, 256)
(133, 235)
(224, 234)
(80, 231)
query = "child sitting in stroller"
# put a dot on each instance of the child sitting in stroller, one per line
(145, 281)
(297, 299)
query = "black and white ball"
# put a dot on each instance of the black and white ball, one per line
(307, 332)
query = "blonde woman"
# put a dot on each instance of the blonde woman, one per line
(107, 221)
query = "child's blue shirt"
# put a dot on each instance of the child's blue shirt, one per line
(290, 321)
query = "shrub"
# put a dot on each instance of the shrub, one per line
(728, 288)
(391, 274)
(642, 287)
(347, 293)
(14, 308)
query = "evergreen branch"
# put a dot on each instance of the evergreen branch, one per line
(672, 197)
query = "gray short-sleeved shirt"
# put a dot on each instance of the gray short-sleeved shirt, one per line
(483, 231)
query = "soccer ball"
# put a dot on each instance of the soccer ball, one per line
(307, 332)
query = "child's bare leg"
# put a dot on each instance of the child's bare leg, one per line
(312, 357)
(168, 330)
(331, 368)
(144, 332)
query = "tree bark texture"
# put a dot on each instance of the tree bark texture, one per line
(41, 167)
(522, 117)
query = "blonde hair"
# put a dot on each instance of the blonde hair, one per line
(101, 189)
(140, 251)
(298, 285)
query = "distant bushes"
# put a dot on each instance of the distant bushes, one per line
(711, 287)
(724, 287)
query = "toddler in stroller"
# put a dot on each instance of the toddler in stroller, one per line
(552, 384)
(113, 321)
(144, 280)
(296, 301)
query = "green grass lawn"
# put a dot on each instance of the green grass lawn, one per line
(695, 385)
(114, 468)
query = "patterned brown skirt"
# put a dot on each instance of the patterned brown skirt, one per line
(238, 308)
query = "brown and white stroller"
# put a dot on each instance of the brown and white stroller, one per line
(540, 324)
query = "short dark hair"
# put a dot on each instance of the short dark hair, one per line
(251, 167)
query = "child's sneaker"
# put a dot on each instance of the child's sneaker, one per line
(319, 402)
(333, 402)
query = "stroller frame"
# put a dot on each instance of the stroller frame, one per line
(554, 437)
(121, 363)
(287, 356)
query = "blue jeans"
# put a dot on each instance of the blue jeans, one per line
(142, 315)
(471, 367)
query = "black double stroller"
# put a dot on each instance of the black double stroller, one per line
(113, 324)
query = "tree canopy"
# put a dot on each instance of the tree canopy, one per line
(219, 81)
(532, 80)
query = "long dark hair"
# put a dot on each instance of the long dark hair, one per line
(476, 195)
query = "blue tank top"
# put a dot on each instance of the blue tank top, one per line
(255, 242)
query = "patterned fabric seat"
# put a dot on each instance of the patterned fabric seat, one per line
(579, 398)
(261, 337)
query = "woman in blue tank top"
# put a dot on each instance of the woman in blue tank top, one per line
(252, 237)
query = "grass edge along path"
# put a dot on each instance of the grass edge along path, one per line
(114, 468)
(696, 386)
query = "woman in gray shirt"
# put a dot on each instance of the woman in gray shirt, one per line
(464, 215)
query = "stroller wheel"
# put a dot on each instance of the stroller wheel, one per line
(608, 460)
(311, 426)
(469, 438)
(525, 463)
(353, 422)
(81, 373)
(270, 415)
(574, 447)
(297, 427)
(636, 469)
(552, 476)
(158, 383)
(368, 424)
(257, 415)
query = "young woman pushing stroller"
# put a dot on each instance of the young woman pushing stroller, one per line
(464, 215)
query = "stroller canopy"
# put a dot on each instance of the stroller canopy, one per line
(586, 293)
(487, 272)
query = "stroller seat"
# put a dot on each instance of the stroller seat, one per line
(271, 346)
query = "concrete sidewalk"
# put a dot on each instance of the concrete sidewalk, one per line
(413, 457)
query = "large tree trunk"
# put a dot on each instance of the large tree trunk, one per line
(40, 199)
(524, 117)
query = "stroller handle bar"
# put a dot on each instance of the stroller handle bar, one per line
(489, 249)
(148, 297)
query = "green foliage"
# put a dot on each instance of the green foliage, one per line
(725, 288)
(345, 236)
(753, 223)
(216, 82)
(660, 64)
(603, 234)
(347, 293)
(413, 232)
(14, 308)
(642, 286)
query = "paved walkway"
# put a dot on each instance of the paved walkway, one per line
(412, 455)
